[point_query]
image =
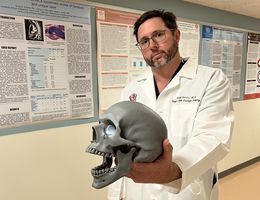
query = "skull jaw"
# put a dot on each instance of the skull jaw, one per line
(107, 179)
(122, 169)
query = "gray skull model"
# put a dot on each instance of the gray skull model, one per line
(128, 131)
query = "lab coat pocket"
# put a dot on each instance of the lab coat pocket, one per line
(182, 117)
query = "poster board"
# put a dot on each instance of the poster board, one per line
(46, 64)
(223, 48)
(252, 85)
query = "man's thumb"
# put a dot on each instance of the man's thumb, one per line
(167, 148)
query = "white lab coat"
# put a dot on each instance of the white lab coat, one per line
(197, 109)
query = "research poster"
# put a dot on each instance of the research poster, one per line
(45, 62)
(252, 85)
(119, 60)
(222, 48)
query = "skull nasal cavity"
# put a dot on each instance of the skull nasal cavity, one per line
(94, 137)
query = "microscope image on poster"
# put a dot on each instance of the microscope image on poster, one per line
(128, 132)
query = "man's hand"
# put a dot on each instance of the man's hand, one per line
(162, 170)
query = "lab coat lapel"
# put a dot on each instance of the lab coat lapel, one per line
(148, 87)
(188, 71)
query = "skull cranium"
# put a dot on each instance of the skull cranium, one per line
(128, 131)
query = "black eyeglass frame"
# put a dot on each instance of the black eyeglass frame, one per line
(151, 38)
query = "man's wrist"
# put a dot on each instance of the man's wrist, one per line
(176, 172)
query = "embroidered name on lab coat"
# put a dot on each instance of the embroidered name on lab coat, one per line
(186, 99)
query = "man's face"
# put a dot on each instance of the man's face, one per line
(158, 54)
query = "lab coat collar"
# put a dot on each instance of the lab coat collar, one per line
(188, 71)
(147, 83)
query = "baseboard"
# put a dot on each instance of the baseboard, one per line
(238, 167)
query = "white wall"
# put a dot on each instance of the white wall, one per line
(52, 164)
(246, 134)
(48, 165)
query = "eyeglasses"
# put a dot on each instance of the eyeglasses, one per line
(157, 36)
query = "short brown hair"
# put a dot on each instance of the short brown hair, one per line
(168, 18)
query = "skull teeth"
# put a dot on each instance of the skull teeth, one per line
(100, 172)
(96, 152)
(105, 167)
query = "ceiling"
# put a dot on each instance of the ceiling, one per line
(244, 7)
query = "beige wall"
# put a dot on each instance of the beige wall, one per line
(52, 164)
(246, 134)
(48, 165)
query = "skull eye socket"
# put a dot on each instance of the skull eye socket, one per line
(110, 130)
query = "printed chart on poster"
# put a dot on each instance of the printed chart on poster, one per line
(222, 48)
(252, 85)
(45, 62)
(119, 60)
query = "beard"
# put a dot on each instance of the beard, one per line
(166, 57)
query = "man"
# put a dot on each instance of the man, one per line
(194, 102)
